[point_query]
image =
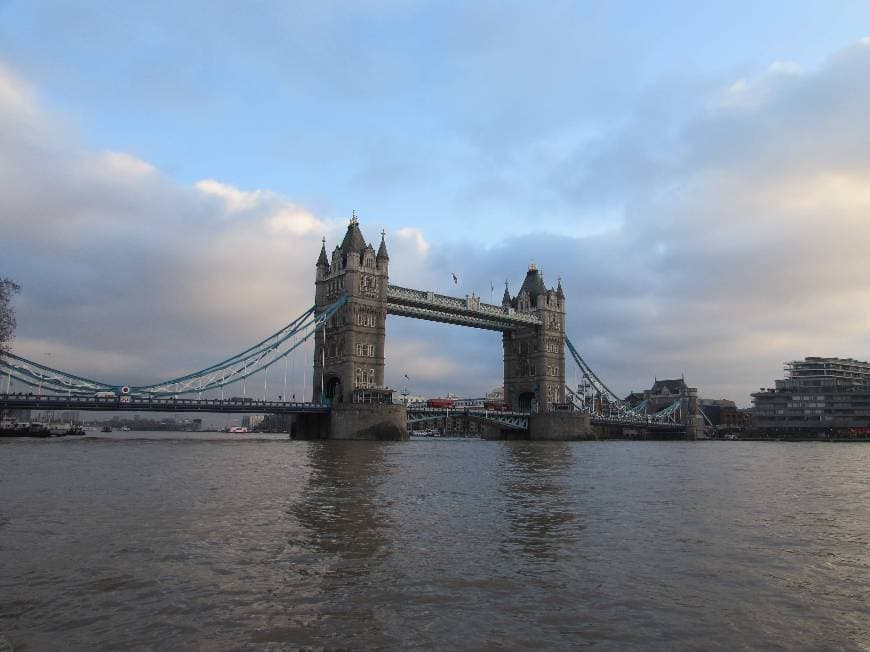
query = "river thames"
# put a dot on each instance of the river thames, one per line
(154, 541)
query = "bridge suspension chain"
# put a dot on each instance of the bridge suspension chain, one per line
(30, 373)
(607, 398)
(609, 405)
(252, 360)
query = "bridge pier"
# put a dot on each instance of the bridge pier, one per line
(560, 426)
(370, 422)
(377, 422)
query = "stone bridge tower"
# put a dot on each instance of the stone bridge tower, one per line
(534, 356)
(349, 351)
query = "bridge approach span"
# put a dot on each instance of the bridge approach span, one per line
(145, 404)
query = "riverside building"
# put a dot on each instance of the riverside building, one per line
(817, 396)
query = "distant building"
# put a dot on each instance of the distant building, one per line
(496, 394)
(816, 394)
(723, 413)
(661, 395)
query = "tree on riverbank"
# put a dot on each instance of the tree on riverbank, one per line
(7, 314)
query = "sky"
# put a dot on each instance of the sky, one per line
(698, 176)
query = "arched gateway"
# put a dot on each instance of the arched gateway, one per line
(349, 350)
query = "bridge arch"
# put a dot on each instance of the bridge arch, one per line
(527, 402)
(332, 389)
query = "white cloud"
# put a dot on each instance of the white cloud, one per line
(234, 200)
(414, 237)
(750, 94)
(128, 273)
(17, 100)
(122, 165)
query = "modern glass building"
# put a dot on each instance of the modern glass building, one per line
(819, 394)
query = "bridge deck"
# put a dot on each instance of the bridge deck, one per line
(136, 404)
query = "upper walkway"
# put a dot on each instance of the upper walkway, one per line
(470, 311)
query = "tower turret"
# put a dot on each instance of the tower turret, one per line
(506, 299)
(322, 262)
(382, 250)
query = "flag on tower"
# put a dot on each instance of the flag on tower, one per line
(455, 280)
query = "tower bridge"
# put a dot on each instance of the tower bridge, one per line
(349, 350)
(352, 299)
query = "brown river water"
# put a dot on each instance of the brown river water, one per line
(153, 541)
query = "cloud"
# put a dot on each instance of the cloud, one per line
(415, 238)
(744, 231)
(16, 97)
(751, 94)
(129, 276)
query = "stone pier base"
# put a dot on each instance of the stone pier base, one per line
(379, 422)
(493, 431)
(374, 422)
(695, 428)
(309, 426)
(560, 426)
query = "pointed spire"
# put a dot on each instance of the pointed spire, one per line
(382, 250)
(353, 239)
(322, 261)
(506, 299)
(559, 292)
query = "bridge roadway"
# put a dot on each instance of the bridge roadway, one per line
(152, 404)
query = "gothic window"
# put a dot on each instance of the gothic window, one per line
(365, 318)
(532, 369)
(371, 377)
